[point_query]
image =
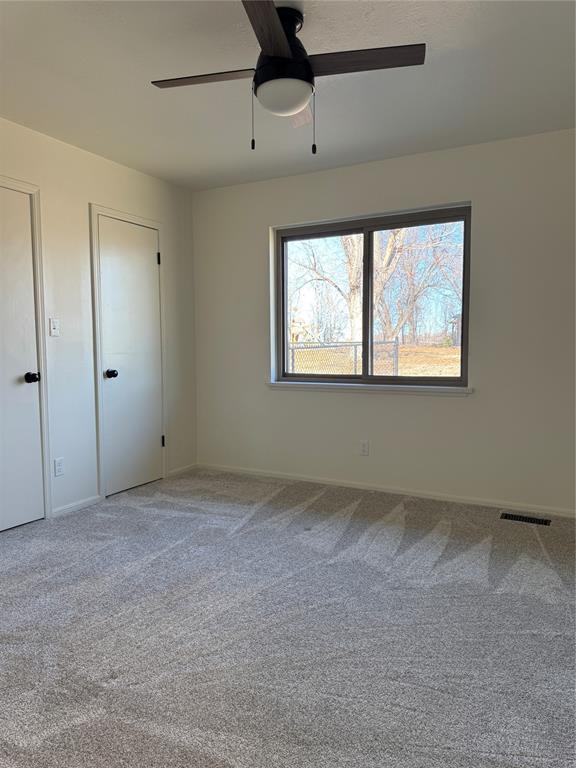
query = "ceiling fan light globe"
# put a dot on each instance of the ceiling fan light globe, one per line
(285, 96)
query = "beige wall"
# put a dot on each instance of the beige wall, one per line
(510, 442)
(69, 179)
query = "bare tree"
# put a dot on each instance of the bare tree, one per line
(414, 267)
(409, 265)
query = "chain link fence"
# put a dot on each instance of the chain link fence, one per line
(341, 358)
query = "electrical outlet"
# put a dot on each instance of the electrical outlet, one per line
(364, 447)
(58, 467)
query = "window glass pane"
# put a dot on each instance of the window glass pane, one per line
(323, 281)
(417, 300)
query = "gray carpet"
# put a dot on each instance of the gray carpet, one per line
(217, 620)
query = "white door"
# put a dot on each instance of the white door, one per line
(21, 471)
(131, 354)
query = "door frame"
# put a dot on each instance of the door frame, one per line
(95, 212)
(33, 193)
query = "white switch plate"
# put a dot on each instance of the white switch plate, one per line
(364, 447)
(54, 326)
(58, 467)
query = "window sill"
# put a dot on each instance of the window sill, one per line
(407, 389)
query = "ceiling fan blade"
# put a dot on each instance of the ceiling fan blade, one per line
(370, 58)
(213, 77)
(268, 28)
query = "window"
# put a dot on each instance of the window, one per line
(375, 301)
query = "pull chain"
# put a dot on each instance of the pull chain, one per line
(314, 122)
(253, 142)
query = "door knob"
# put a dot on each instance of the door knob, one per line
(30, 378)
(111, 373)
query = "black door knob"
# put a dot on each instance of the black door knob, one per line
(111, 373)
(30, 378)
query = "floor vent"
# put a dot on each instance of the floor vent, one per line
(525, 519)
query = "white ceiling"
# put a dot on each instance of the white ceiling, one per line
(81, 71)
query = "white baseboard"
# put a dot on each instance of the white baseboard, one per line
(498, 504)
(180, 470)
(76, 506)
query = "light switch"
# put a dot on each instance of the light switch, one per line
(54, 326)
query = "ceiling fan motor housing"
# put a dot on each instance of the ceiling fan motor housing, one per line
(275, 68)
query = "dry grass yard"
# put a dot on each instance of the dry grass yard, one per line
(429, 361)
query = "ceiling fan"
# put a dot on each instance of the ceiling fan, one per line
(283, 80)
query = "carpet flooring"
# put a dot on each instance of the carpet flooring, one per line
(215, 620)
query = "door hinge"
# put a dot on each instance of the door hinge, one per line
(158, 257)
(163, 441)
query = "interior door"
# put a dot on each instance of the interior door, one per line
(131, 353)
(21, 471)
